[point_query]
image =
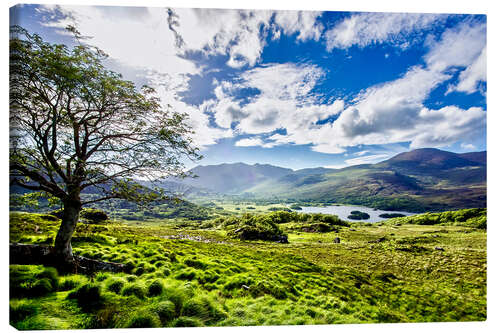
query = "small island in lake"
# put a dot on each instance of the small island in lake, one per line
(358, 215)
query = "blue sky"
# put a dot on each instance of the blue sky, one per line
(297, 89)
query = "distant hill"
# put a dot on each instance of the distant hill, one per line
(427, 159)
(418, 180)
(233, 178)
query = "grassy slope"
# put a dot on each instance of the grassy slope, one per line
(377, 186)
(219, 281)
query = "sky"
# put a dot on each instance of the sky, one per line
(296, 89)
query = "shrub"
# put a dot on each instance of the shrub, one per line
(88, 297)
(93, 215)
(155, 288)
(316, 227)
(257, 227)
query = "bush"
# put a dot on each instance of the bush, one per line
(257, 227)
(88, 297)
(93, 215)
(316, 227)
(155, 288)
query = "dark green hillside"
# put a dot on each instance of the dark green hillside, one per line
(417, 181)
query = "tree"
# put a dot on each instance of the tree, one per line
(76, 125)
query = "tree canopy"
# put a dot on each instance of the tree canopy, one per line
(75, 124)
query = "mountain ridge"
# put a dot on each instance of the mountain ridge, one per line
(429, 177)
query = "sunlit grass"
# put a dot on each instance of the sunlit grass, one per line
(377, 273)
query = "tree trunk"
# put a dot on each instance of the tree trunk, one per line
(62, 244)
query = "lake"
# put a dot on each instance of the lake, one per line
(342, 211)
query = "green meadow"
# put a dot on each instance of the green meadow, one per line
(429, 267)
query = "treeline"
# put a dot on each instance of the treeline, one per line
(474, 217)
(266, 226)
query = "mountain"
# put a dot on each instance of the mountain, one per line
(479, 157)
(418, 180)
(233, 178)
(429, 159)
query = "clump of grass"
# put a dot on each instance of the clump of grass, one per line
(165, 311)
(186, 274)
(143, 320)
(42, 287)
(195, 263)
(177, 295)
(28, 280)
(155, 288)
(187, 322)
(20, 310)
(71, 282)
(88, 297)
(115, 285)
(134, 289)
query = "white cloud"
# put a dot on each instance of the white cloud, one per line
(387, 113)
(370, 159)
(375, 28)
(134, 36)
(394, 111)
(304, 23)
(459, 46)
(284, 101)
(205, 134)
(472, 75)
(241, 34)
(154, 40)
(252, 142)
(468, 146)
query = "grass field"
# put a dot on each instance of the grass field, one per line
(181, 275)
